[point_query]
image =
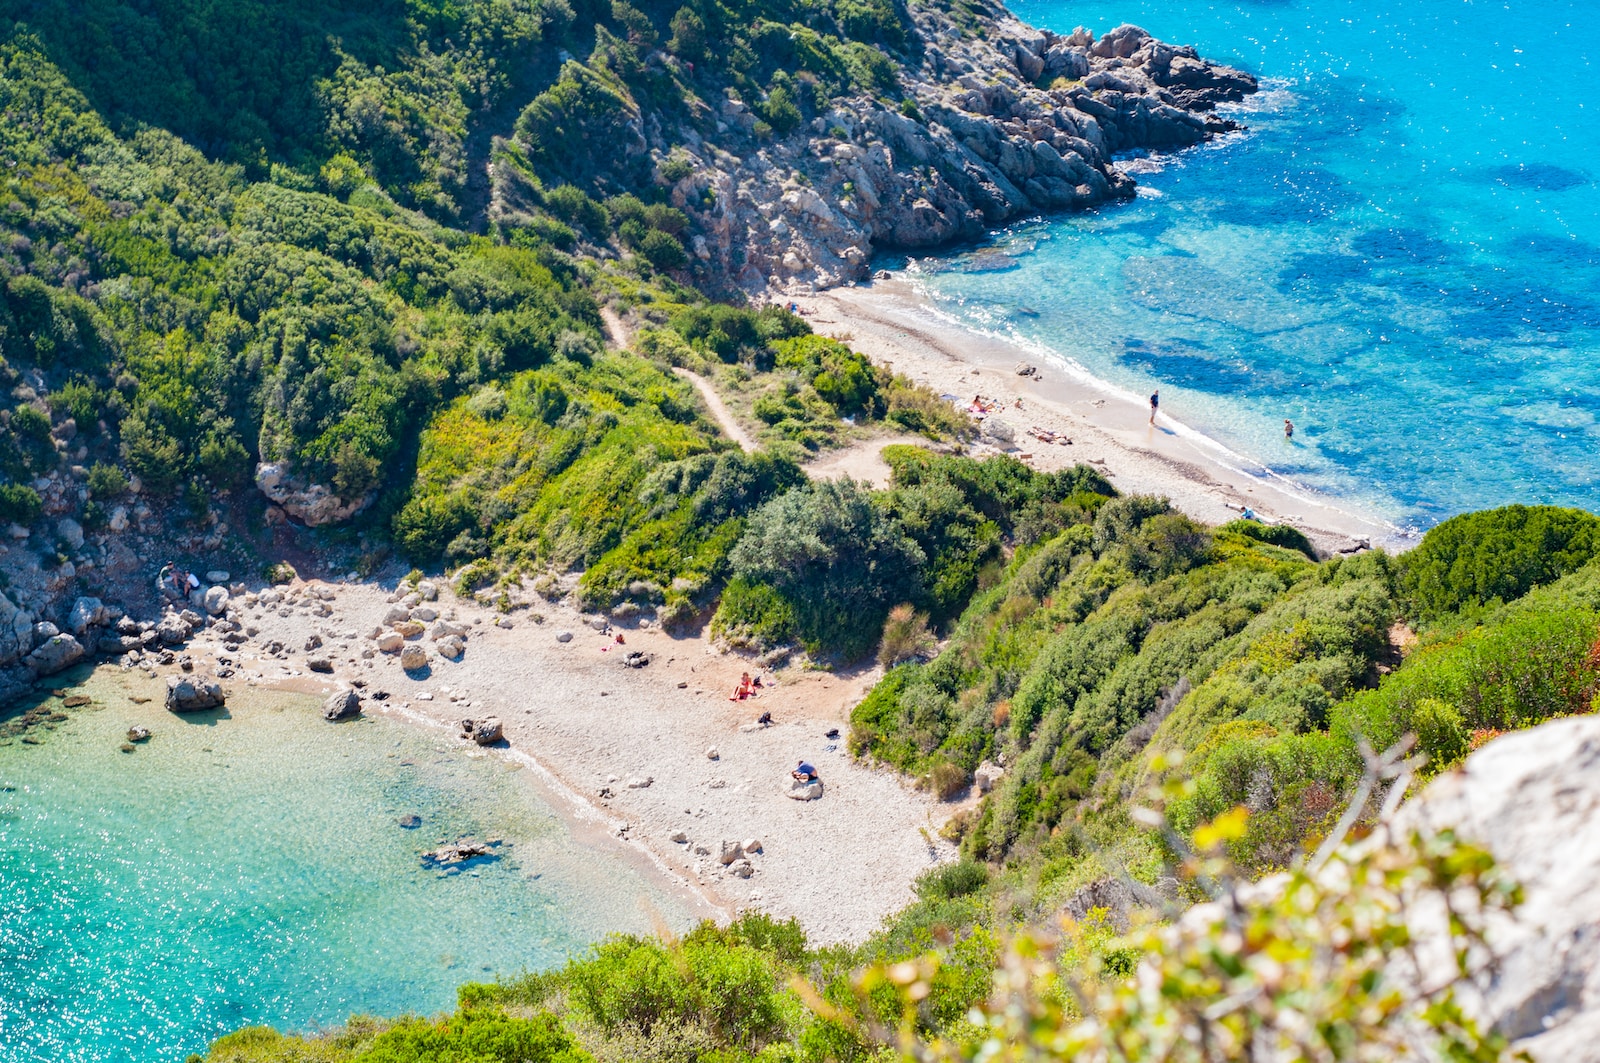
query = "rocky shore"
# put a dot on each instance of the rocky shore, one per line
(995, 125)
(629, 731)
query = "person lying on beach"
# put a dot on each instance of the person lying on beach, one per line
(765, 719)
(745, 689)
(804, 772)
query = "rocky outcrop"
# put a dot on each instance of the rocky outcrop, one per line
(310, 503)
(1533, 800)
(193, 694)
(994, 125)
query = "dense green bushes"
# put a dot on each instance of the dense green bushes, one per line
(1497, 555)
(832, 558)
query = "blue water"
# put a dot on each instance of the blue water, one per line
(1402, 254)
(249, 867)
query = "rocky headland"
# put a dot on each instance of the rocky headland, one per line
(994, 124)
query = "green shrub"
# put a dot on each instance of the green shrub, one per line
(753, 615)
(19, 504)
(1497, 555)
(106, 481)
(952, 880)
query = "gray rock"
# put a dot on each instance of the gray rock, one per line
(192, 618)
(127, 625)
(446, 628)
(563, 636)
(54, 654)
(986, 775)
(731, 851)
(216, 600)
(411, 821)
(193, 694)
(138, 734)
(425, 613)
(1533, 799)
(641, 783)
(451, 647)
(342, 704)
(311, 503)
(413, 658)
(391, 641)
(320, 664)
(115, 644)
(681, 837)
(173, 629)
(71, 532)
(85, 614)
(743, 869)
(485, 732)
(428, 590)
(44, 629)
(397, 614)
(218, 575)
(804, 791)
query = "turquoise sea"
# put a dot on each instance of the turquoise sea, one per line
(1402, 255)
(248, 866)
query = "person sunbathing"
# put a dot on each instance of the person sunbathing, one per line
(745, 689)
(804, 772)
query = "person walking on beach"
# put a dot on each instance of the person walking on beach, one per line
(1288, 428)
(1155, 403)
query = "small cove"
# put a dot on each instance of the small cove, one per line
(249, 866)
(1399, 256)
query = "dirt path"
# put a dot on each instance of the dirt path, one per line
(861, 461)
(719, 409)
(616, 331)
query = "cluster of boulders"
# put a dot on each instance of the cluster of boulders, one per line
(994, 126)
(413, 614)
(733, 857)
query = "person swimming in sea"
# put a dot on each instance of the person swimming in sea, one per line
(1288, 428)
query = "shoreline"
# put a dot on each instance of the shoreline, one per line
(893, 325)
(621, 753)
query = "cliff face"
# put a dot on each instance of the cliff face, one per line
(1532, 799)
(991, 127)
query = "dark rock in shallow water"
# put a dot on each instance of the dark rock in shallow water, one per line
(459, 853)
(138, 734)
(185, 694)
(341, 705)
(411, 821)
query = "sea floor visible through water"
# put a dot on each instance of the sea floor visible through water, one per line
(249, 866)
(1399, 256)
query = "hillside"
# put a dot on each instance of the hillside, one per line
(411, 283)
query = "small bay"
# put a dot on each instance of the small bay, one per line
(1401, 255)
(249, 866)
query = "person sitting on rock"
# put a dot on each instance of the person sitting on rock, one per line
(745, 689)
(804, 772)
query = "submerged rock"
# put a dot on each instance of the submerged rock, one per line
(138, 734)
(459, 853)
(342, 704)
(193, 694)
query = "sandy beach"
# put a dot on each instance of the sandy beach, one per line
(889, 323)
(625, 752)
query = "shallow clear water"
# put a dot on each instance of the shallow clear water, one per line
(1402, 255)
(249, 867)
